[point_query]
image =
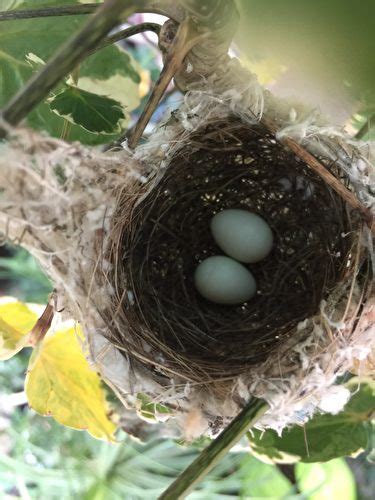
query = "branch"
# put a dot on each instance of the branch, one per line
(321, 170)
(161, 7)
(66, 59)
(215, 451)
(128, 32)
(183, 42)
(70, 10)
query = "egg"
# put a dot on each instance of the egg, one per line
(223, 280)
(243, 235)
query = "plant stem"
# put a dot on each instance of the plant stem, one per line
(128, 32)
(183, 42)
(161, 7)
(70, 10)
(66, 59)
(215, 451)
(325, 174)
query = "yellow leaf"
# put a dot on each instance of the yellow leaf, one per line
(60, 383)
(16, 321)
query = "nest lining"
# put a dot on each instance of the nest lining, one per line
(164, 234)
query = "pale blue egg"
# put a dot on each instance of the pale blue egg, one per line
(243, 235)
(223, 280)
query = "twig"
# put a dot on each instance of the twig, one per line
(215, 451)
(127, 33)
(329, 178)
(66, 59)
(70, 10)
(183, 42)
(161, 7)
(365, 129)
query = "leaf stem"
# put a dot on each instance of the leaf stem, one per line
(128, 32)
(66, 59)
(209, 457)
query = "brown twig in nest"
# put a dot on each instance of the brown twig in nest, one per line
(163, 233)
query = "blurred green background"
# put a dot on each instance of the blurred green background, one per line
(320, 52)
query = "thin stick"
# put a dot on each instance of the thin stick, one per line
(215, 451)
(183, 42)
(127, 33)
(66, 59)
(70, 10)
(161, 7)
(329, 178)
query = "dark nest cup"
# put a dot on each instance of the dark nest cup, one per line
(163, 233)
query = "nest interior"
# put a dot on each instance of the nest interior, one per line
(164, 233)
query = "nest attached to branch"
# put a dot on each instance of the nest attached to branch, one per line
(312, 313)
(165, 233)
(121, 234)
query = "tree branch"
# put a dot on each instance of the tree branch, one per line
(127, 33)
(329, 178)
(161, 7)
(66, 59)
(184, 40)
(215, 451)
(70, 10)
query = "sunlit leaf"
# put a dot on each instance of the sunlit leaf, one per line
(16, 321)
(60, 383)
(91, 111)
(332, 480)
(9, 4)
(324, 437)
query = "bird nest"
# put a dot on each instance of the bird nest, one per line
(161, 232)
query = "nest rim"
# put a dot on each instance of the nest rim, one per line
(166, 352)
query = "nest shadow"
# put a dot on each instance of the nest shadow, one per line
(163, 233)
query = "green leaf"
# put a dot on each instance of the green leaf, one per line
(41, 37)
(21, 37)
(148, 410)
(9, 4)
(324, 437)
(109, 62)
(333, 480)
(260, 480)
(93, 112)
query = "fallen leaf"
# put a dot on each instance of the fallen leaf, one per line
(60, 383)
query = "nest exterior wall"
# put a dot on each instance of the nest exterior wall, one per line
(298, 379)
(62, 202)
